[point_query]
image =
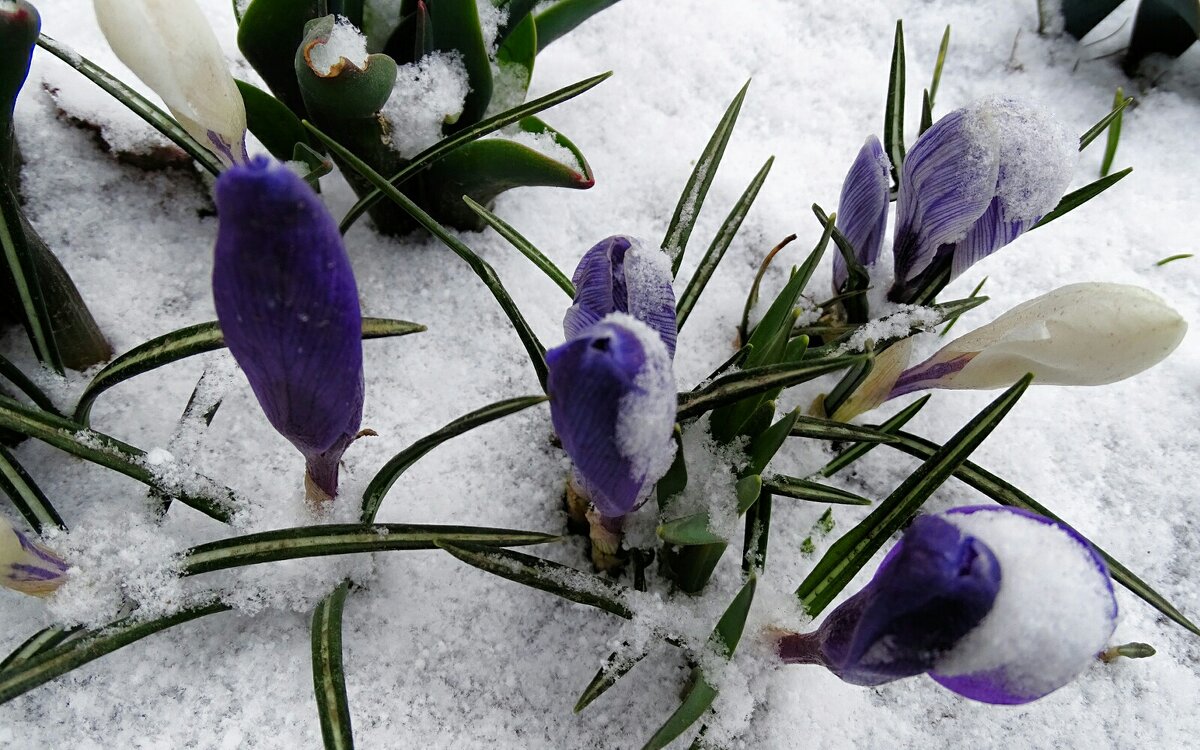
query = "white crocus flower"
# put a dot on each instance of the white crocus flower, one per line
(27, 566)
(1080, 334)
(170, 46)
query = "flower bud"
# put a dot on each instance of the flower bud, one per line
(27, 566)
(1080, 334)
(612, 403)
(288, 308)
(620, 275)
(863, 208)
(169, 45)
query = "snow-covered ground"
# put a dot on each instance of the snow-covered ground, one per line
(441, 655)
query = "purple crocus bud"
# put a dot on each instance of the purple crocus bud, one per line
(863, 208)
(612, 402)
(288, 307)
(621, 275)
(997, 604)
(27, 566)
(971, 184)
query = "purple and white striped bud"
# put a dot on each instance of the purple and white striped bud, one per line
(288, 308)
(997, 604)
(170, 46)
(620, 274)
(28, 566)
(972, 183)
(863, 208)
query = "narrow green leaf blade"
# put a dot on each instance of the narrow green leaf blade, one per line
(329, 678)
(893, 121)
(751, 381)
(18, 260)
(13, 374)
(855, 452)
(26, 495)
(1114, 115)
(556, 20)
(270, 120)
(943, 48)
(1114, 135)
(804, 489)
(617, 665)
(1077, 198)
(517, 240)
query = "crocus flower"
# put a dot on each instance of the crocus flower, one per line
(863, 209)
(1080, 334)
(170, 46)
(997, 604)
(621, 275)
(27, 566)
(288, 308)
(612, 402)
(972, 183)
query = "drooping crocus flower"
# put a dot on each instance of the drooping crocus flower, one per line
(27, 566)
(1080, 334)
(972, 183)
(170, 46)
(997, 604)
(621, 275)
(863, 209)
(612, 402)
(288, 307)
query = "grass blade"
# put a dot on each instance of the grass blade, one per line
(25, 494)
(1114, 134)
(13, 375)
(719, 245)
(43, 640)
(391, 471)
(814, 492)
(430, 155)
(188, 342)
(855, 452)
(482, 269)
(617, 665)
(744, 383)
(329, 678)
(17, 258)
(893, 121)
(138, 104)
(850, 553)
(954, 319)
(683, 221)
(517, 240)
(943, 48)
(1077, 198)
(1114, 115)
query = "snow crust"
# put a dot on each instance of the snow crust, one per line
(646, 416)
(427, 94)
(345, 42)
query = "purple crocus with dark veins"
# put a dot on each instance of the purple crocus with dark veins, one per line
(997, 604)
(863, 209)
(972, 183)
(619, 274)
(288, 308)
(612, 402)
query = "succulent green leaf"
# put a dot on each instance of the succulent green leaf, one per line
(269, 35)
(346, 91)
(519, 49)
(765, 444)
(276, 126)
(1081, 16)
(456, 29)
(1166, 27)
(559, 18)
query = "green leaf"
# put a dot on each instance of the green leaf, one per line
(764, 445)
(545, 575)
(850, 382)
(855, 452)
(329, 678)
(926, 114)
(1081, 16)
(950, 321)
(430, 155)
(43, 640)
(188, 342)
(804, 489)
(1173, 258)
(719, 245)
(937, 68)
(683, 221)
(757, 535)
(456, 30)
(26, 496)
(345, 95)
(213, 500)
(857, 279)
(1077, 198)
(391, 471)
(1165, 27)
(12, 374)
(517, 240)
(482, 269)
(893, 121)
(755, 380)
(270, 120)
(519, 48)
(135, 102)
(1114, 115)
(47, 665)
(701, 694)
(343, 539)
(851, 552)
(269, 34)
(617, 665)
(1114, 135)
(694, 529)
(19, 261)
(559, 19)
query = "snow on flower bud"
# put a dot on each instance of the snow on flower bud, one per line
(863, 208)
(169, 45)
(288, 307)
(612, 402)
(621, 275)
(996, 604)
(972, 183)
(27, 566)
(1080, 334)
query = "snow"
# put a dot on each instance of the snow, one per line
(427, 94)
(440, 655)
(646, 415)
(345, 42)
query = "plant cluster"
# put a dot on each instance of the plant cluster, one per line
(960, 596)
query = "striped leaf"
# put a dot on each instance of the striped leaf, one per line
(329, 679)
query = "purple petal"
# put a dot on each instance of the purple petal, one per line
(863, 208)
(288, 307)
(620, 275)
(991, 232)
(947, 182)
(933, 587)
(595, 380)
